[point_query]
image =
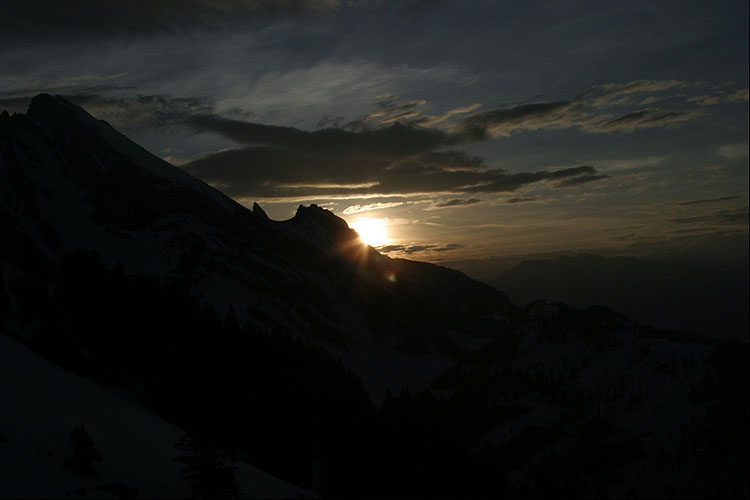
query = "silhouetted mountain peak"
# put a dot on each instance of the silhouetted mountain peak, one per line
(70, 126)
(323, 222)
(257, 210)
(55, 110)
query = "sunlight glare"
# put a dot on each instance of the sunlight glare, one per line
(372, 232)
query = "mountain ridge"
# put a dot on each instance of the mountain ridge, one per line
(134, 208)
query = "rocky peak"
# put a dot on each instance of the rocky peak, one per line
(65, 123)
(55, 110)
(320, 216)
(257, 210)
(322, 225)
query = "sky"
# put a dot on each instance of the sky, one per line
(458, 130)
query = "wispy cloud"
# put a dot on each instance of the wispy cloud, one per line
(356, 209)
(456, 202)
(735, 216)
(388, 110)
(535, 116)
(129, 112)
(512, 201)
(734, 151)
(644, 118)
(738, 96)
(409, 249)
(610, 94)
(48, 19)
(705, 100)
(395, 140)
(708, 200)
(627, 164)
(15, 85)
(581, 179)
(588, 112)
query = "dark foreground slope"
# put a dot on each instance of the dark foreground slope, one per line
(294, 346)
(44, 403)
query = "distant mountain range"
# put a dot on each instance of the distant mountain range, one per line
(677, 292)
(299, 349)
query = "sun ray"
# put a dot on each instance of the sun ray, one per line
(373, 232)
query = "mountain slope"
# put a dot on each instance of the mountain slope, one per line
(72, 182)
(44, 403)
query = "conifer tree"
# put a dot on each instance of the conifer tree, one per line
(206, 469)
(85, 455)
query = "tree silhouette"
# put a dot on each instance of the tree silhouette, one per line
(206, 469)
(85, 454)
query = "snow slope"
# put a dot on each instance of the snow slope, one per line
(40, 403)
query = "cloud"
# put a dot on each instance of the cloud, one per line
(130, 112)
(610, 94)
(15, 104)
(735, 216)
(17, 85)
(452, 160)
(708, 200)
(411, 249)
(468, 123)
(519, 200)
(624, 237)
(705, 100)
(623, 228)
(143, 111)
(734, 151)
(356, 209)
(632, 163)
(458, 202)
(388, 111)
(722, 96)
(429, 121)
(644, 118)
(716, 171)
(306, 169)
(398, 159)
(395, 140)
(534, 116)
(48, 19)
(584, 112)
(581, 179)
(651, 100)
(738, 96)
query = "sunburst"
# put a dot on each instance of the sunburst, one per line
(373, 232)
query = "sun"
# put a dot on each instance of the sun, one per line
(373, 232)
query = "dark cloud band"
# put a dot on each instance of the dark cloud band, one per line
(76, 19)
